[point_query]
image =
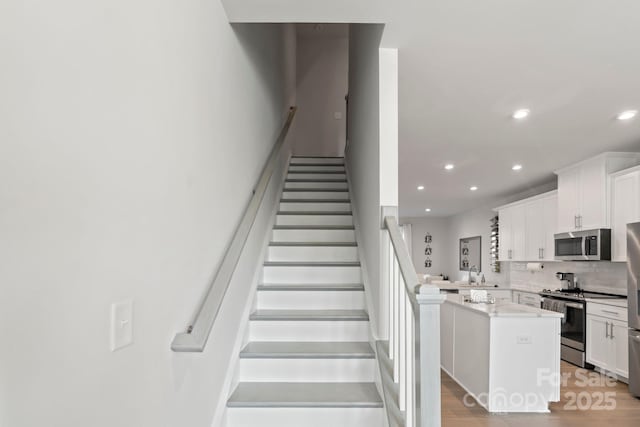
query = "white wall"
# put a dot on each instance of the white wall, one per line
(440, 245)
(363, 152)
(469, 224)
(322, 83)
(131, 134)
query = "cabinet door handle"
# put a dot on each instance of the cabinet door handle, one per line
(615, 313)
(580, 221)
(606, 330)
(542, 253)
(611, 334)
(575, 221)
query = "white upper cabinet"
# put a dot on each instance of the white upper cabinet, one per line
(526, 229)
(625, 208)
(583, 191)
(540, 226)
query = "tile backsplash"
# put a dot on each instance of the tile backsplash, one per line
(600, 276)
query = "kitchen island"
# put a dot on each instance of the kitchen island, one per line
(505, 355)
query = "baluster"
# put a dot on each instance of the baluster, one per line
(410, 364)
(390, 277)
(396, 321)
(402, 389)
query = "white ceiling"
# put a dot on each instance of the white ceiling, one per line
(466, 65)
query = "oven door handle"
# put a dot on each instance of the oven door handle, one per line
(574, 305)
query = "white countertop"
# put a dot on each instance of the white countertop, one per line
(617, 302)
(454, 287)
(501, 309)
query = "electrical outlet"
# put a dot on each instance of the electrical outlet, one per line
(121, 324)
(523, 339)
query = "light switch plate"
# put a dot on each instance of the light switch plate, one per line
(121, 324)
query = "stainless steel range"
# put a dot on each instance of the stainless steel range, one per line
(573, 332)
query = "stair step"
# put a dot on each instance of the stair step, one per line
(316, 168)
(321, 244)
(316, 176)
(315, 206)
(315, 160)
(316, 194)
(330, 287)
(307, 350)
(284, 233)
(311, 274)
(312, 264)
(313, 227)
(327, 179)
(315, 164)
(307, 417)
(318, 330)
(304, 299)
(314, 218)
(309, 315)
(312, 251)
(306, 213)
(321, 170)
(315, 185)
(305, 395)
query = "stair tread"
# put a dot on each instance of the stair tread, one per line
(310, 315)
(290, 172)
(307, 213)
(312, 263)
(283, 200)
(315, 190)
(301, 395)
(317, 164)
(313, 227)
(315, 180)
(307, 350)
(324, 244)
(311, 287)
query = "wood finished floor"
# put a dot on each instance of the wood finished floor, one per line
(626, 412)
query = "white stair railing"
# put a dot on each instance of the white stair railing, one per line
(414, 334)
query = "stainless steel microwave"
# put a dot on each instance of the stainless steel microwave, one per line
(583, 245)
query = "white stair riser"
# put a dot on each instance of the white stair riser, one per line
(318, 160)
(311, 300)
(306, 195)
(307, 370)
(314, 168)
(314, 220)
(312, 176)
(308, 417)
(312, 275)
(313, 253)
(316, 185)
(302, 235)
(314, 207)
(308, 331)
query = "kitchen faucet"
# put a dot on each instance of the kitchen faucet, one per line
(473, 267)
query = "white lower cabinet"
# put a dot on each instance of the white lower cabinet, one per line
(607, 344)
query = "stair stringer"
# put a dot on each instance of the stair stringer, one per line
(373, 313)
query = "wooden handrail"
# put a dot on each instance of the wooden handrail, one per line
(197, 334)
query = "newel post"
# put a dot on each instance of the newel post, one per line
(429, 299)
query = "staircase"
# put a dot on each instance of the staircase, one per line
(308, 360)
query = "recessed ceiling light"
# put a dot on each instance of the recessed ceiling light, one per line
(627, 115)
(516, 167)
(520, 114)
(449, 166)
(420, 187)
(473, 188)
(428, 210)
